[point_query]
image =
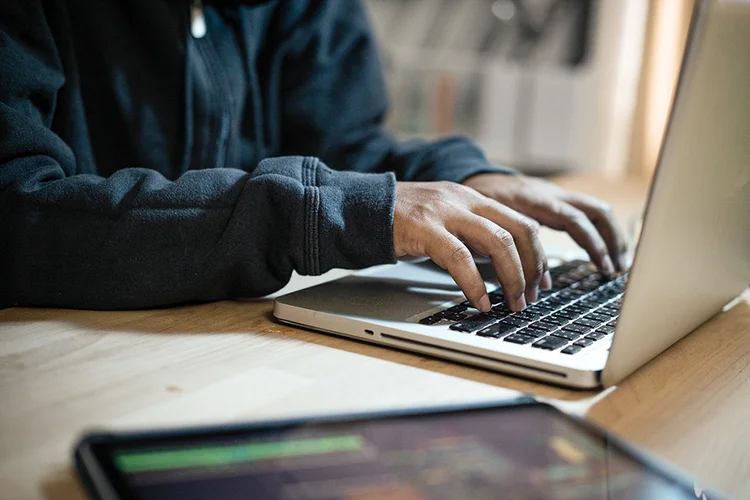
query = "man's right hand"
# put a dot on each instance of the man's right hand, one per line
(446, 221)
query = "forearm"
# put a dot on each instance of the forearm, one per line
(138, 240)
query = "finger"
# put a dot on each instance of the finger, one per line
(525, 232)
(488, 238)
(546, 283)
(582, 230)
(451, 254)
(562, 216)
(603, 219)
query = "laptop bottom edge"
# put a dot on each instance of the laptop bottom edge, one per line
(571, 379)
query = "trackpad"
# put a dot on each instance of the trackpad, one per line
(392, 293)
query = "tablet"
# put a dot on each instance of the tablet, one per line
(516, 450)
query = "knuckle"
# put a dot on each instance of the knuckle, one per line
(558, 211)
(577, 218)
(460, 255)
(503, 238)
(529, 227)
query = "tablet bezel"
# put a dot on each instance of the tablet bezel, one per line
(93, 454)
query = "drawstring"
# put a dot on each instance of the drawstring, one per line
(197, 20)
(196, 8)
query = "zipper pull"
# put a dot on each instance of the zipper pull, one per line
(197, 20)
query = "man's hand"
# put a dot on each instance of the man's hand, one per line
(444, 220)
(588, 221)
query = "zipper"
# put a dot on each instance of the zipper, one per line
(218, 87)
(197, 20)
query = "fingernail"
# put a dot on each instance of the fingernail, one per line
(607, 267)
(521, 303)
(532, 295)
(484, 304)
(625, 262)
(546, 283)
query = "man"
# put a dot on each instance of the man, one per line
(154, 152)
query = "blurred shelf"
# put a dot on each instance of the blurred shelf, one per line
(540, 84)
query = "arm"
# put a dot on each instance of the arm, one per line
(136, 239)
(332, 106)
(334, 100)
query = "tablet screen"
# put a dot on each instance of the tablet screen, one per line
(518, 452)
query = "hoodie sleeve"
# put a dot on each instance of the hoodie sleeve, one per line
(136, 239)
(333, 100)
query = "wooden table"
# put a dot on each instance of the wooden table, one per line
(63, 371)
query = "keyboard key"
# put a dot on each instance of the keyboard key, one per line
(566, 314)
(545, 293)
(541, 309)
(458, 308)
(598, 317)
(452, 316)
(606, 313)
(571, 349)
(430, 320)
(567, 296)
(577, 308)
(499, 313)
(587, 322)
(496, 331)
(532, 332)
(554, 302)
(473, 323)
(556, 320)
(550, 343)
(595, 336)
(544, 325)
(606, 329)
(496, 297)
(502, 308)
(515, 321)
(567, 334)
(577, 328)
(584, 342)
(592, 301)
(528, 315)
(516, 338)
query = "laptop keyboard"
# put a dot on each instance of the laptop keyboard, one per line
(581, 308)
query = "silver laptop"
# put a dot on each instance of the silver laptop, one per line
(693, 256)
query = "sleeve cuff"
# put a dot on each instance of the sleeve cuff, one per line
(348, 218)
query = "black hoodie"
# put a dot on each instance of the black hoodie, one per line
(141, 166)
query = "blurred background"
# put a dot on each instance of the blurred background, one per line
(545, 86)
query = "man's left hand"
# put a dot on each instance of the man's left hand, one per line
(588, 220)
